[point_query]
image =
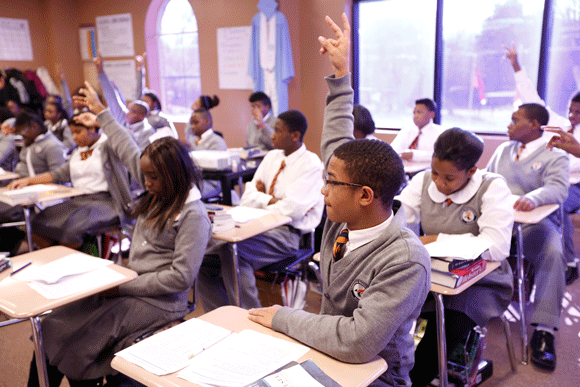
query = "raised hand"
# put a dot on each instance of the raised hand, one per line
(512, 56)
(98, 61)
(88, 97)
(338, 49)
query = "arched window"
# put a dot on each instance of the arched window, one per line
(173, 52)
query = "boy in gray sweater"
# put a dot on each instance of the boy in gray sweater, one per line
(538, 176)
(375, 271)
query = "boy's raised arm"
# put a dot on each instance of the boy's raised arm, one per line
(338, 118)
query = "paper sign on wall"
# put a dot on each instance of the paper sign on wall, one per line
(123, 74)
(233, 55)
(15, 42)
(115, 35)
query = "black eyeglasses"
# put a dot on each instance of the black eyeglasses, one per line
(334, 182)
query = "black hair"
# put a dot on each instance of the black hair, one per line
(27, 118)
(59, 108)
(178, 173)
(154, 98)
(5, 114)
(461, 147)
(143, 107)
(535, 111)
(431, 105)
(295, 121)
(363, 120)
(576, 98)
(260, 96)
(207, 102)
(71, 122)
(374, 164)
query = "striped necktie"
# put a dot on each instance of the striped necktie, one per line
(271, 190)
(522, 147)
(415, 142)
(338, 249)
(86, 154)
(198, 141)
(571, 130)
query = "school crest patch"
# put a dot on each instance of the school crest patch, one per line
(536, 166)
(357, 289)
(468, 215)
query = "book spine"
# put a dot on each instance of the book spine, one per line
(466, 270)
(472, 274)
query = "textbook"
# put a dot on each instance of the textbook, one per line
(458, 247)
(458, 277)
(220, 219)
(25, 195)
(293, 374)
(449, 264)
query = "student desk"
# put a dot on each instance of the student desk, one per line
(19, 301)
(60, 192)
(236, 319)
(228, 179)
(520, 218)
(244, 231)
(414, 167)
(8, 176)
(438, 292)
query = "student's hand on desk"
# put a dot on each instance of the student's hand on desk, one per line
(263, 316)
(426, 239)
(338, 48)
(260, 186)
(524, 204)
(88, 97)
(19, 183)
(407, 155)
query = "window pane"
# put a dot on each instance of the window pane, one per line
(478, 83)
(396, 56)
(564, 70)
(178, 58)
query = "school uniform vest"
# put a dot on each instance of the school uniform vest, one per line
(490, 296)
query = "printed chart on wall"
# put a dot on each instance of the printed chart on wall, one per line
(115, 35)
(123, 74)
(15, 42)
(88, 42)
(233, 53)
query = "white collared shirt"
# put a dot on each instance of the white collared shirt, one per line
(205, 136)
(88, 174)
(297, 186)
(496, 218)
(532, 146)
(424, 151)
(358, 238)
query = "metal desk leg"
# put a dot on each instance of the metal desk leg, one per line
(521, 293)
(226, 191)
(39, 352)
(28, 230)
(441, 339)
(236, 267)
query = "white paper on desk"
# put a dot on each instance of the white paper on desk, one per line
(458, 247)
(241, 359)
(77, 284)
(37, 188)
(69, 265)
(170, 350)
(295, 376)
(243, 214)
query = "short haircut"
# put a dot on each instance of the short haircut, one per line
(363, 120)
(461, 147)
(208, 102)
(143, 107)
(431, 105)
(178, 174)
(261, 97)
(576, 98)
(5, 114)
(205, 114)
(151, 94)
(535, 111)
(374, 164)
(295, 121)
(28, 118)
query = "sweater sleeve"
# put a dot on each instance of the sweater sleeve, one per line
(556, 180)
(382, 309)
(338, 118)
(410, 197)
(193, 233)
(113, 103)
(122, 144)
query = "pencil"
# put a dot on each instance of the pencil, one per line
(17, 270)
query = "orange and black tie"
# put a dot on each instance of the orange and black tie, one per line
(522, 147)
(338, 250)
(271, 190)
(86, 154)
(415, 142)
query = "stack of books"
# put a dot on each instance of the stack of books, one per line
(456, 260)
(220, 219)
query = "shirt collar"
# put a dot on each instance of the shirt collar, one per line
(460, 197)
(534, 145)
(207, 134)
(358, 238)
(100, 141)
(294, 155)
(194, 194)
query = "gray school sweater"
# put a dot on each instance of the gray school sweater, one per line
(371, 296)
(47, 154)
(543, 176)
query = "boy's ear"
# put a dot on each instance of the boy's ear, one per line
(367, 196)
(295, 135)
(471, 171)
(432, 115)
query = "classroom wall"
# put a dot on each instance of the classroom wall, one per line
(54, 29)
